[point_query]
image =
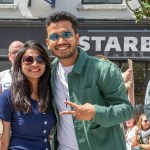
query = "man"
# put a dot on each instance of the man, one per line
(93, 90)
(5, 76)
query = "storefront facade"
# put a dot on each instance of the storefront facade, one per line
(118, 40)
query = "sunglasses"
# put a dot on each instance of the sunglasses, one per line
(29, 60)
(64, 35)
(145, 121)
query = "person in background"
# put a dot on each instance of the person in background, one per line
(5, 76)
(147, 102)
(25, 108)
(93, 90)
(130, 131)
(102, 57)
(141, 139)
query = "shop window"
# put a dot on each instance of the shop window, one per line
(101, 1)
(6, 1)
(140, 78)
(148, 77)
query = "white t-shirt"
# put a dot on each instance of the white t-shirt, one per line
(65, 131)
(129, 137)
(5, 79)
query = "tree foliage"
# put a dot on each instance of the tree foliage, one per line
(142, 12)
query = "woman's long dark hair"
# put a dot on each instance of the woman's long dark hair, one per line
(21, 88)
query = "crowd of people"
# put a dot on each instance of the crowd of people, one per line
(82, 102)
(138, 133)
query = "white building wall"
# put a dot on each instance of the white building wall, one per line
(41, 9)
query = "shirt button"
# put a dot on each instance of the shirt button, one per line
(46, 149)
(45, 122)
(45, 140)
(44, 131)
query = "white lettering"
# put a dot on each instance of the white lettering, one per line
(113, 43)
(98, 41)
(84, 43)
(130, 43)
(145, 44)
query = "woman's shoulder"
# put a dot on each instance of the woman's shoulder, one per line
(5, 96)
(5, 93)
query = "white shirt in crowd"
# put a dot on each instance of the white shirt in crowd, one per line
(129, 136)
(5, 79)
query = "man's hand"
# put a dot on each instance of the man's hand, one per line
(81, 112)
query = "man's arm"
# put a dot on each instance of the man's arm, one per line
(119, 108)
(114, 93)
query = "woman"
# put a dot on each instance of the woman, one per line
(141, 140)
(130, 132)
(26, 109)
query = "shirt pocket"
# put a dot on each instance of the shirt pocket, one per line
(91, 95)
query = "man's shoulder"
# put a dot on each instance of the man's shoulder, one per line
(4, 71)
(100, 62)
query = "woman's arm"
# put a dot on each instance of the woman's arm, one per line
(145, 146)
(135, 141)
(4, 141)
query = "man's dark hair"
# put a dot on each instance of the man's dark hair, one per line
(60, 16)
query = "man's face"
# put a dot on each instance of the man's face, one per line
(61, 40)
(13, 50)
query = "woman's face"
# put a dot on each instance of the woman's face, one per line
(33, 66)
(130, 123)
(145, 124)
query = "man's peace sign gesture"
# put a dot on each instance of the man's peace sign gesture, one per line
(81, 112)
